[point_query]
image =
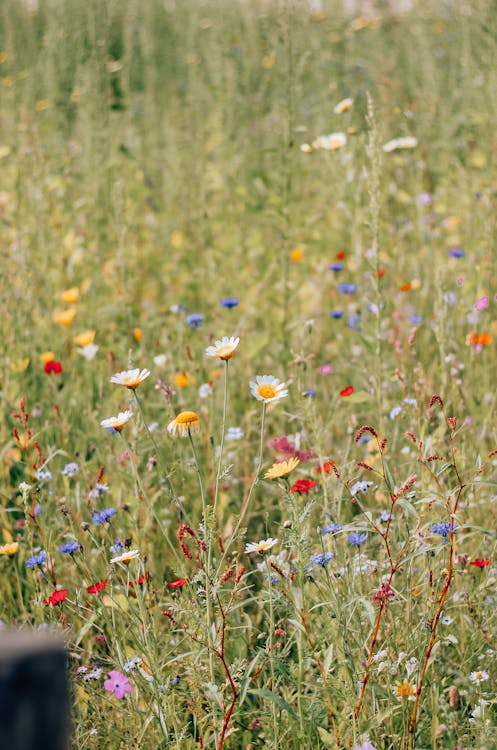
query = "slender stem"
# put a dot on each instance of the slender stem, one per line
(271, 658)
(246, 500)
(157, 452)
(221, 447)
(207, 557)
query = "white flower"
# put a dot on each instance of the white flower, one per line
(306, 148)
(260, 547)
(398, 144)
(204, 390)
(115, 424)
(24, 487)
(126, 557)
(331, 142)
(88, 351)
(130, 378)
(160, 360)
(343, 106)
(478, 677)
(234, 433)
(224, 348)
(268, 388)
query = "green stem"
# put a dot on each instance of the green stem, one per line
(225, 408)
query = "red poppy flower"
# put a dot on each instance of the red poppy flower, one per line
(142, 579)
(481, 563)
(340, 255)
(96, 588)
(405, 287)
(348, 391)
(325, 468)
(56, 598)
(304, 485)
(177, 584)
(52, 367)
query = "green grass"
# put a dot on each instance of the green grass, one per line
(150, 156)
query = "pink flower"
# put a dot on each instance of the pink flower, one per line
(481, 304)
(117, 683)
(326, 369)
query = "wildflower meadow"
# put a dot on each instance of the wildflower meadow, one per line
(248, 385)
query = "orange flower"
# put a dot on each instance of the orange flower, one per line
(182, 379)
(65, 317)
(405, 287)
(484, 339)
(404, 690)
(70, 296)
(296, 255)
(85, 338)
(137, 334)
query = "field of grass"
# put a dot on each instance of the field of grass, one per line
(167, 180)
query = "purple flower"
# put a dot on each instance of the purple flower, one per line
(310, 392)
(337, 267)
(357, 538)
(365, 746)
(36, 560)
(195, 320)
(326, 370)
(415, 319)
(443, 529)
(229, 302)
(70, 470)
(322, 559)
(456, 252)
(331, 528)
(336, 314)
(117, 683)
(481, 304)
(69, 548)
(347, 288)
(103, 516)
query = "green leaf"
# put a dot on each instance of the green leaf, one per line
(326, 737)
(274, 698)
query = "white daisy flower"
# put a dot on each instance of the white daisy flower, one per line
(130, 378)
(478, 677)
(126, 557)
(116, 424)
(260, 547)
(267, 388)
(398, 144)
(343, 106)
(331, 142)
(224, 348)
(184, 423)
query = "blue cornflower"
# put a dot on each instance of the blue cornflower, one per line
(443, 528)
(384, 515)
(337, 267)
(415, 319)
(332, 528)
(103, 516)
(336, 314)
(39, 509)
(36, 560)
(70, 470)
(322, 559)
(456, 252)
(69, 548)
(347, 288)
(354, 322)
(195, 320)
(310, 392)
(229, 302)
(360, 487)
(357, 538)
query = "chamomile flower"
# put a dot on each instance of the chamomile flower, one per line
(185, 422)
(399, 144)
(224, 348)
(478, 677)
(331, 142)
(260, 547)
(343, 106)
(126, 557)
(268, 388)
(116, 424)
(130, 378)
(281, 469)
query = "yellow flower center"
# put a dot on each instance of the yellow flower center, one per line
(267, 391)
(225, 352)
(187, 418)
(405, 690)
